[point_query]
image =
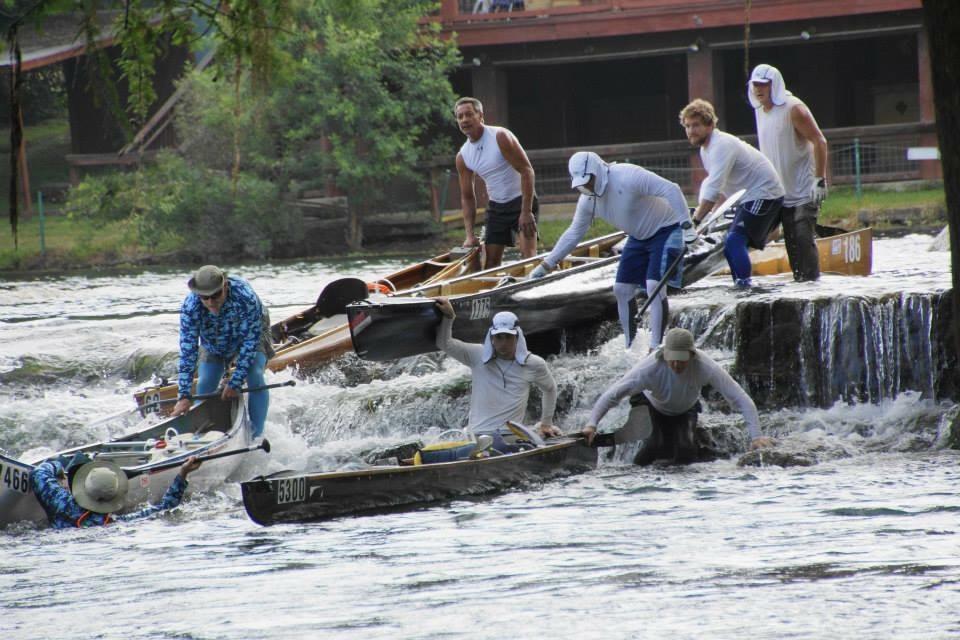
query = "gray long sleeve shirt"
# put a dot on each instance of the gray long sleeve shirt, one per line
(500, 387)
(673, 394)
(636, 201)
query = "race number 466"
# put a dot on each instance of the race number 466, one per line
(15, 478)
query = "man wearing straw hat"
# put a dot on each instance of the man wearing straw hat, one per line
(502, 372)
(669, 382)
(223, 320)
(98, 490)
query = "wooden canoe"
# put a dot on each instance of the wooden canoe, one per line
(845, 254)
(212, 426)
(299, 497)
(578, 292)
(320, 333)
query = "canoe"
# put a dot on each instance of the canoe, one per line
(290, 496)
(848, 253)
(320, 333)
(212, 426)
(384, 329)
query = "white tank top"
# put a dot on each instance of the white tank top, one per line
(484, 158)
(790, 154)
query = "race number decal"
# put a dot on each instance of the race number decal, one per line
(480, 308)
(291, 490)
(15, 478)
(150, 399)
(851, 250)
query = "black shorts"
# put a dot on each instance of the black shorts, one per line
(502, 223)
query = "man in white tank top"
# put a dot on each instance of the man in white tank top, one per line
(790, 138)
(495, 154)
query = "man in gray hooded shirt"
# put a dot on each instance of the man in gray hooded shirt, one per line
(651, 209)
(502, 371)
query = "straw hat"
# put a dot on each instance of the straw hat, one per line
(100, 486)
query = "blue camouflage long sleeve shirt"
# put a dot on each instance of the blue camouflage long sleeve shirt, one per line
(234, 332)
(62, 509)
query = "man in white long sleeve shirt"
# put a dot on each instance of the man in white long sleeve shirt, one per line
(731, 165)
(651, 209)
(789, 136)
(502, 372)
(670, 381)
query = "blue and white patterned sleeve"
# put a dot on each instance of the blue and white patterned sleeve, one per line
(170, 499)
(251, 317)
(189, 344)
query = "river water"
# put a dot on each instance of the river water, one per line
(863, 544)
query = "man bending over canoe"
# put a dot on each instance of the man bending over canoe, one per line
(99, 489)
(669, 381)
(227, 318)
(502, 371)
(651, 209)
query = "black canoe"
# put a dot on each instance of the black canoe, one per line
(299, 497)
(576, 295)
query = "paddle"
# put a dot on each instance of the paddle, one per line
(636, 427)
(133, 473)
(704, 227)
(205, 396)
(336, 295)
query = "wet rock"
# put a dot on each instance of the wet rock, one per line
(774, 457)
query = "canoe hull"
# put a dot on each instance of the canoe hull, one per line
(846, 254)
(292, 497)
(220, 426)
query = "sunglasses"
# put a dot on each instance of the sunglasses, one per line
(213, 296)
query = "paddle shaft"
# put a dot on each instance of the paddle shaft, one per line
(729, 202)
(208, 396)
(264, 444)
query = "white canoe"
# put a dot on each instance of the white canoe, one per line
(211, 426)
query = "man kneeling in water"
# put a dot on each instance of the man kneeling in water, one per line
(502, 370)
(669, 381)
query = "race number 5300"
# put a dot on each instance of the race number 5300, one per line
(291, 490)
(14, 478)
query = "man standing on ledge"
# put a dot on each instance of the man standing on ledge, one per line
(495, 154)
(731, 165)
(790, 138)
(230, 323)
(669, 381)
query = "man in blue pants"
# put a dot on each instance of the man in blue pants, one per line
(731, 165)
(225, 316)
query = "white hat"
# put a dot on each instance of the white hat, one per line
(678, 345)
(778, 89)
(100, 486)
(504, 322)
(582, 165)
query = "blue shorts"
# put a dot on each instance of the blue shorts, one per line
(756, 219)
(649, 259)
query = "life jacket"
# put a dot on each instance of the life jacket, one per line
(83, 522)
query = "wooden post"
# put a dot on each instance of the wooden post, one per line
(24, 171)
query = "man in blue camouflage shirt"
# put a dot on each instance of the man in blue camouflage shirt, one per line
(231, 325)
(99, 489)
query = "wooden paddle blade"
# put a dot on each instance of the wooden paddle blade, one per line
(637, 427)
(335, 297)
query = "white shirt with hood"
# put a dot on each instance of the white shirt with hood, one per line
(790, 153)
(500, 388)
(632, 199)
(731, 165)
(676, 393)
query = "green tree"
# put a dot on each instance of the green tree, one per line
(369, 84)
